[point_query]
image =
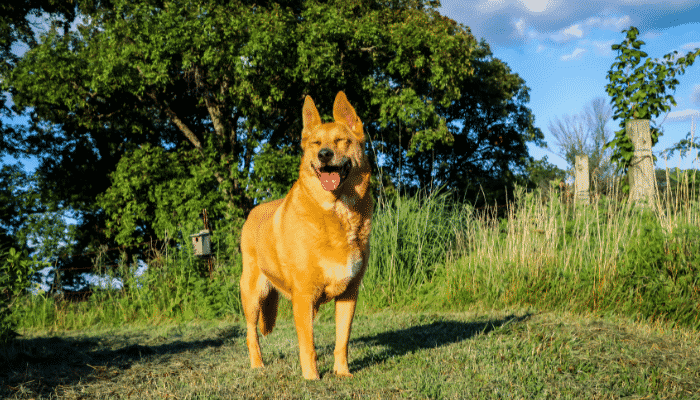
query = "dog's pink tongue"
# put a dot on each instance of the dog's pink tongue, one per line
(330, 180)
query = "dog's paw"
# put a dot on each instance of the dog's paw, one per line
(346, 373)
(312, 377)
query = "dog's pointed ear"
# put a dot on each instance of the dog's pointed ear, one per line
(343, 112)
(310, 116)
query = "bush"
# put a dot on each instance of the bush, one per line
(658, 275)
(15, 269)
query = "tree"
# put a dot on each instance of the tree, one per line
(541, 173)
(488, 125)
(640, 93)
(152, 112)
(586, 133)
(15, 27)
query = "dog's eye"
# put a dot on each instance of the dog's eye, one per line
(316, 143)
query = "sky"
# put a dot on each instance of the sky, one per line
(562, 49)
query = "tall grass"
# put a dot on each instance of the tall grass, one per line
(430, 252)
(604, 257)
(175, 287)
(411, 241)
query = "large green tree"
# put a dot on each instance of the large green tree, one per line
(152, 110)
(488, 127)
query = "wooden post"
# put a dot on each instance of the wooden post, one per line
(581, 180)
(641, 172)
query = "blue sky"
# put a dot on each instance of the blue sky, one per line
(562, 49)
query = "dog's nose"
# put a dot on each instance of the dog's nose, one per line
(325, 155)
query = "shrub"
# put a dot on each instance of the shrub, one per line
(15, 269)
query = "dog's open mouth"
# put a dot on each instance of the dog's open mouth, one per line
(332, 177)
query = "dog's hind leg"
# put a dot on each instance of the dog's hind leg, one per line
(254, 288)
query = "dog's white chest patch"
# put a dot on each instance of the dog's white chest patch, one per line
(337, 278)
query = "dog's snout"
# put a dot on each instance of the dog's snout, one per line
(325, 155)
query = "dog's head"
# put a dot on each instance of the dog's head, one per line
(332, 151)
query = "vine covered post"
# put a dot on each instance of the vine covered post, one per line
(638, 90)
(641, 173)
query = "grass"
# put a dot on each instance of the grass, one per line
(553, 301)
(479, 353)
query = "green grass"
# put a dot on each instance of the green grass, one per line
(479, 353)
(608, 300)
(431, 253)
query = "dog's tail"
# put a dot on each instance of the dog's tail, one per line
(268, 311)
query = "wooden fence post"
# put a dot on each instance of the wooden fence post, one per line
(641, 171)
(581, 180)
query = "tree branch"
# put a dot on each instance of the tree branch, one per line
(178, 122)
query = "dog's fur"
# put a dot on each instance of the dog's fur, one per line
(313, 245)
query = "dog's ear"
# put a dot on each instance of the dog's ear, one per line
(343, 112)
(310, 116)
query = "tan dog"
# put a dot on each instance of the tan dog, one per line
(313, 245)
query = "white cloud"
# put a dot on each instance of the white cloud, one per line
(616, 24)
(538, 6)
(491, 19)
(682, 116)
(690, 46)
(695, 95)
(593, 21)
(568, 33)
(540, 48)
(574, 30)
(520, 27)
(649, 35)
(573, 55)
(604, 48)
(491, 5)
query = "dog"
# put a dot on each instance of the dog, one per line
(312, 246)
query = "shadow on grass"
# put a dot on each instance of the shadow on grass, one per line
(428, 336)
(39, 366)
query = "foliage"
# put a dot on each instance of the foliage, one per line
(218, 86)
(28, 225)
(658, 275)
(159, 193)
(603, 258)
(275, 171)
(684, 146)
(639, 92)
(489, 126)
(15, 269)
(411, 240)
(176, 286)
(15, 28)
(541, 173)
(17, 200)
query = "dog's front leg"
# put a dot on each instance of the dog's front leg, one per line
(344, 312)
(302, 306)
